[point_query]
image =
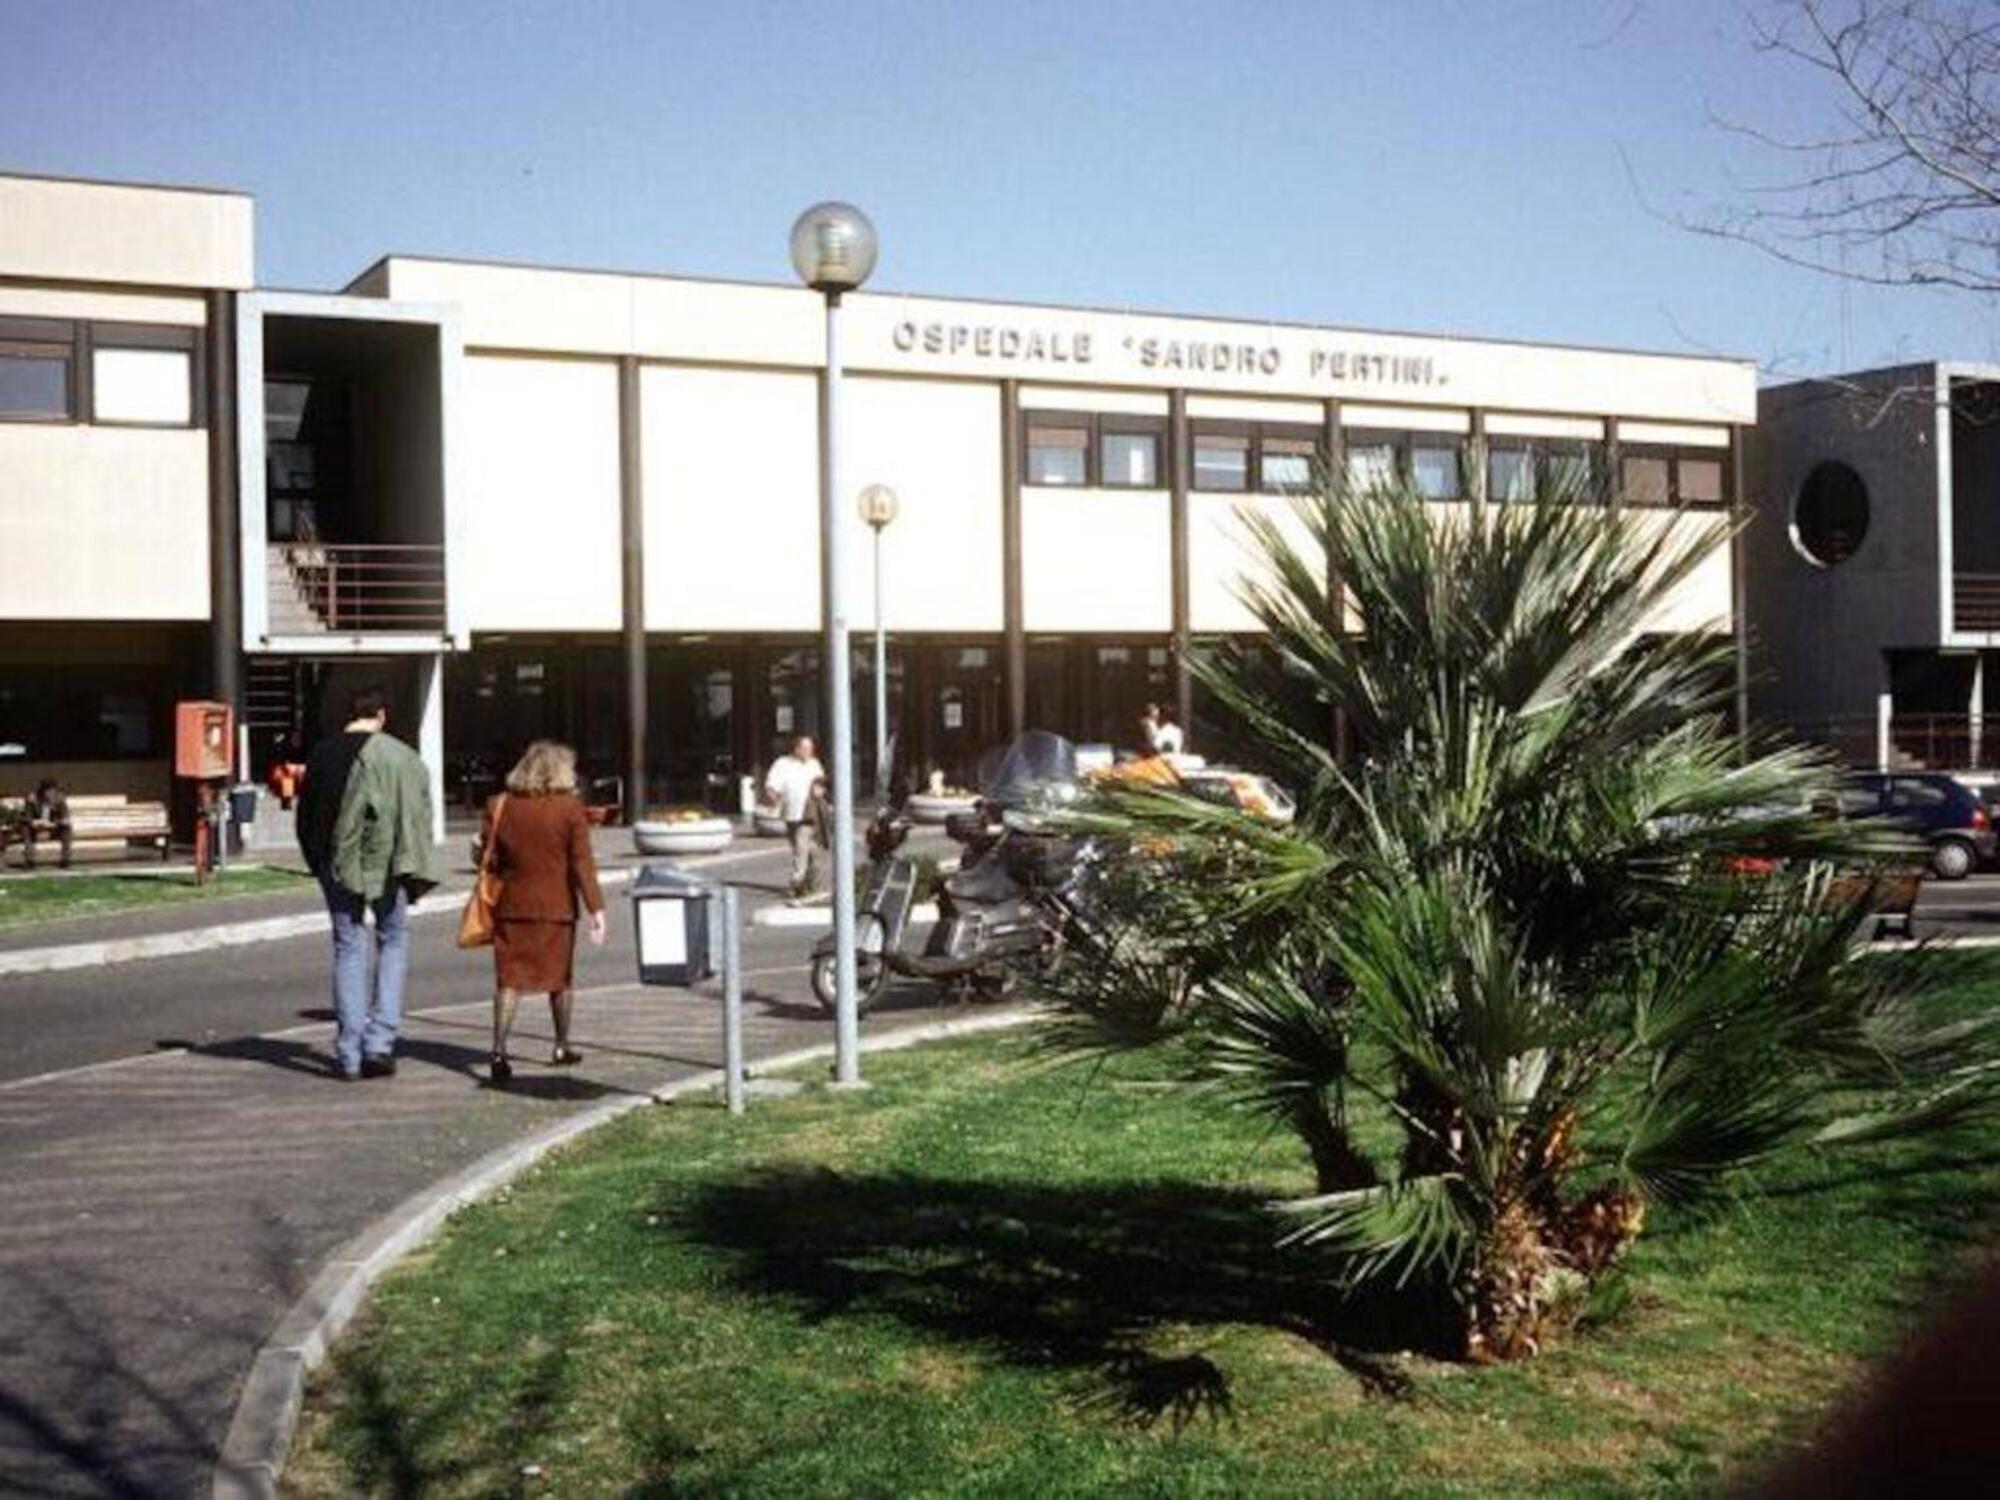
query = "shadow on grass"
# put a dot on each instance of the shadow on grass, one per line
(1068, 1280)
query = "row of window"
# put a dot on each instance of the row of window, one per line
(1125, 452)
(133, 374)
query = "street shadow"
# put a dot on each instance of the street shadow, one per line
(471, 1063)
(113, 1384)
(1081, 1281)
(901, 995)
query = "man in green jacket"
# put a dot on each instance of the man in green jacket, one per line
(364, 824)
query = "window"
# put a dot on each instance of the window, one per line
(84, 712)
(35, 372)
(1221, 460)
(1285, 464)
(1668, 476)
(1058, 454)
(142, 385)
(1915, 795)
(1647, 479)
(1510, 473)
(1573, 463)
(1830, 516)
(1699, 480)
(1131, 460)
(1371, 460)
(1434, 467)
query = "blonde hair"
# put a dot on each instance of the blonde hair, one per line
(545, 767)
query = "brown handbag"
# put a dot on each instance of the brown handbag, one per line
(475, 923)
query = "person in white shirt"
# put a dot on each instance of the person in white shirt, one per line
(1149, 730)
(1168, 739)
(789, 788)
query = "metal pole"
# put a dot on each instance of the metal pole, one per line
(840, 686)
(881, 683)
(732, 1002)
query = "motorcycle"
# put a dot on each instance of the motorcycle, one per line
(1008, 902)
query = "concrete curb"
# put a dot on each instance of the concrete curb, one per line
(224, 935)
(267, 1411)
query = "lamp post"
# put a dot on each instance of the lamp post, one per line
(878, 506)
(833, 250)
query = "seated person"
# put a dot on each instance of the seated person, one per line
(47, 809)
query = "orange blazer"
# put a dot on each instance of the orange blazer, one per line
(541, 852)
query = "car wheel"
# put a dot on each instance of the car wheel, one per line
(1953, 859)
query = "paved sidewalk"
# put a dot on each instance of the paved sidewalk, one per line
(163, 1213)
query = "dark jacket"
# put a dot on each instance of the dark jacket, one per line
(541, 852)
(320, 794)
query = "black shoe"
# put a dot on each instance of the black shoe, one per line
(501, 1068)
(378, 1067)
(564, 1057)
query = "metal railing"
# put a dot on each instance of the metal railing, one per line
(356, 588)
(1975, 601)
(1917, 742)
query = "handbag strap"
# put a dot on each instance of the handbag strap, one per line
(486, 852)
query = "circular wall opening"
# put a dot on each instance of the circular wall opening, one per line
(1830, 517)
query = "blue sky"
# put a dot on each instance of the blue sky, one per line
(1497, 168)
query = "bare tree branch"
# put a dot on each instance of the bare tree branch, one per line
(1901, 187)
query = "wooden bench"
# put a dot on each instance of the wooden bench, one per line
(101, 819)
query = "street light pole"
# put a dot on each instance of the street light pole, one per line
(833, 250)
(878, 506)
(881, 682)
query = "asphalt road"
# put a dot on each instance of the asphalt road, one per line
(1960, 908)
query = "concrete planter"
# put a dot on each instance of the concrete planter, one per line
(691, 836)
(932, 807)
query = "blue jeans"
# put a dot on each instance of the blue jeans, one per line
(364, 1025)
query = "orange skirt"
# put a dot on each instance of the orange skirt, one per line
(533, 956)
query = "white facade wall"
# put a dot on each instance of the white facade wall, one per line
(937, 445)
(1097, 560)
(1222, 555)
(731, 439)
(60, 230)
(731, 480)
(541, 543)
(1704, 600)
(103, 523)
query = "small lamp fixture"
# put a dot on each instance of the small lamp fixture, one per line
(878, 505)
(833, 247)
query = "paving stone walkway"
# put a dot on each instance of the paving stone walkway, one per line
(157, 1217)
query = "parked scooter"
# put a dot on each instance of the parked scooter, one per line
(1006, 904)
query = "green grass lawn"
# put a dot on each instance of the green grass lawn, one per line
(988, 1277)
(51, 896)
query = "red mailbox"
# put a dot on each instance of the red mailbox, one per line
(204, 741)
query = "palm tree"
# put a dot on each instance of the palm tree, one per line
(1521, 968)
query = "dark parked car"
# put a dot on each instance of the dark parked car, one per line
(1938, 808)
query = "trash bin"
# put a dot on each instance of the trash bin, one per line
(243, 804)
(670, 914)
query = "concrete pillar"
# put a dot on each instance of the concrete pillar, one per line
(632, 522)
(1013, 620)
(1739, 595)
(430, 733)
(1333, 462)
(1975, 715)
(1177, 470)
(225, 674)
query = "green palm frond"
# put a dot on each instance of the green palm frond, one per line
(1400, 1230)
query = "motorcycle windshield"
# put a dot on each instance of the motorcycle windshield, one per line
(1037, 767)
